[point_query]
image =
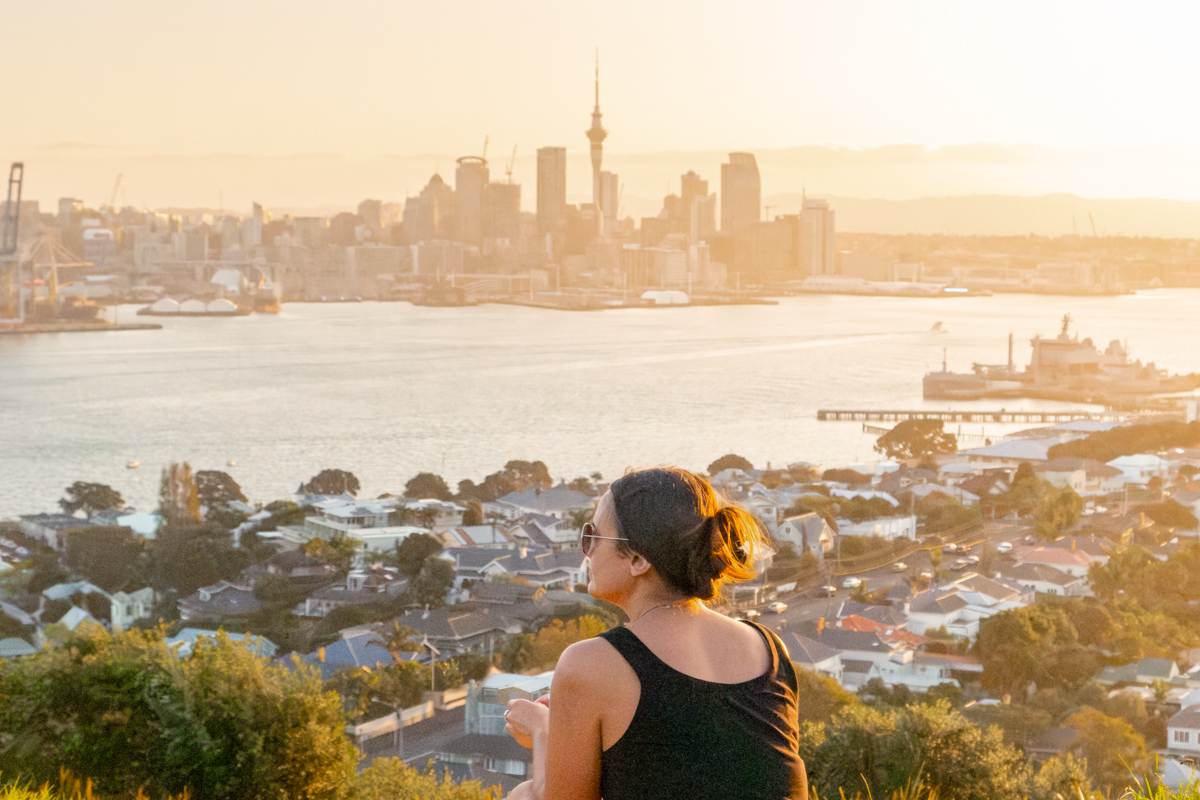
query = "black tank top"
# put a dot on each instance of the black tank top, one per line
(695, 739)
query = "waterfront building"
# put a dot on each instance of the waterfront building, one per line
(610, 198)
(552, 189)
(698, 206)
(371, 214)
(817, 246)
(502, 211)
(430, 215)
(741, 192)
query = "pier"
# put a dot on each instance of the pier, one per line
(963, 415)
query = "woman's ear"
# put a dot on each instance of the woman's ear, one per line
(638, 565)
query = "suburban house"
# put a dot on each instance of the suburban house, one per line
(456, 631)
(546, 568)
(355, 648)
(51, 529)
(959, 493)
(220, 600)
(1084, 475)
(813, 655)
(124, 608)
(361, 587)
(1146, 672)
(958, 606)
(557, 501)
(1011, 452)
(1047, 580)
(807, 533)
(1141, 467)
(1072, 562)
(184, 642)
(490, 535)
(1183, 733)
(898, 527)
(371, 523)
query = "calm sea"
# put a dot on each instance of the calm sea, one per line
(386, 390)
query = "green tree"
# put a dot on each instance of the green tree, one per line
(413, 551)
(849, 477)
(331, 481)
(338, 552)
(730, 461)
(474, 513)
(217, 488)
(90, 498)
(916, 439)
(392, 779)
(1057, 512)
(430, 585)
(1024, 493)
(178, 498)
(542, 649)
(1061, 777)
(1116, 754)
(426, 485)
(884, 750)
(1032, 645)
(108, 556)
(185, 557)
(820, 697)
(1170, 514)
(125, 711)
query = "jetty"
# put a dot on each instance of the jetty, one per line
(964, 415)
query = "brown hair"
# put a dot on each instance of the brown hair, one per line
(674, 519)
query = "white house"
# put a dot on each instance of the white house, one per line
(1072, 562)
(125, 608)
(899, 527)
(1183, 732)
(960, 605)
(806, 533)
(1047, 580)
(813, 655)
(1141, 467)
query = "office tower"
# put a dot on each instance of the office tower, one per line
(698, 207)
(469, 181)
(430, 215)
(610, 199)
(817, 245)
(502, 211)
(741, 192)
(596, 135)
(371, 214)
(552, 189)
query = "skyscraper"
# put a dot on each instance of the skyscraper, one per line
(817, 238)
(552, 189)
(741, 192)
(596, 135)
(610, 194)
(698, 207)
(469, 181)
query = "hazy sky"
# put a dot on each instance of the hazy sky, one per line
(370, 79)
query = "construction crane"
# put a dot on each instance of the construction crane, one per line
(485, 144)
(1093, 221)
(112, 196)
(12, 305)
(509, 167)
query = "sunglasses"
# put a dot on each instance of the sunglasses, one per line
(588, 537)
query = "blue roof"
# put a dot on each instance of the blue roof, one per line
(186, 640)
(358, 649)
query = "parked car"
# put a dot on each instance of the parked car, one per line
(959, 564)
(972, 560)
(778, 607)
(827, 590)
(926, 576)
(950, 548)
(752, 613)
(852, 583)
(1004, 548)
(899, 566)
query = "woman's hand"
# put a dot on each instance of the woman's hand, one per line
(525, 720)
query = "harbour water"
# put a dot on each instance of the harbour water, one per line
(388, 389)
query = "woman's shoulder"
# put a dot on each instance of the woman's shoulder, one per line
(584, 662)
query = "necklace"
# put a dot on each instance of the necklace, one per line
(675, 603)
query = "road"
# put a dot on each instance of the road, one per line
(804, 606)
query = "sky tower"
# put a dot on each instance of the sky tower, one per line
(595, 135)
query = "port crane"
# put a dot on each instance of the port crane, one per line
(12, 304)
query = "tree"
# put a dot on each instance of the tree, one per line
(425, 485)
(217, 489)
(399, 639)
(849, 477)
(941, 512)
(178, 498)
(730, 461)
(1024, 493)
(331, 481)
(542, 649)
(108, 556)
(125, 711)
(916, 439)
(1058, 511)
(338, 552)
(1116, 754)
(430, 585)
(927, 744)
(185, 557)
(1170, 514)
(413, 550)
(1032, 645)
(474, 513)
(392, 779)
(90, 498)
(528, 474)
(820, 697)
(1129, 439)
(1062, 777)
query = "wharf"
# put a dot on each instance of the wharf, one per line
(76, 327)
(963, 415)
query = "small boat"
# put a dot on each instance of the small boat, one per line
(937, 328)
(132, 463)
(231, 462)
